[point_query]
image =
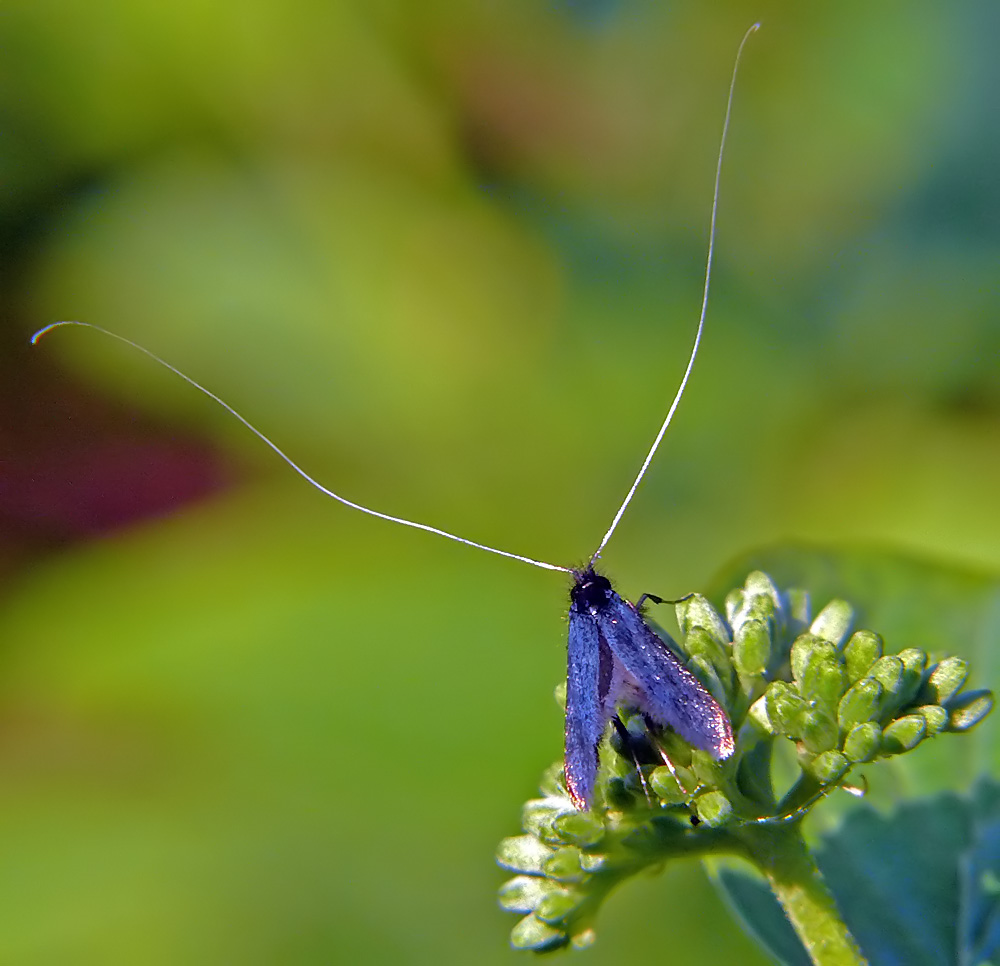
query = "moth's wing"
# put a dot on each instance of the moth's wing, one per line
(669, 693)
(588, 678)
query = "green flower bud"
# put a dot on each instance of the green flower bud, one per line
(705, 671)
(713, 808)
(760, 718)
(523, 853)
(863, 741)
(557, 906)
(532, 933)
(824, 683)
(914, 662)
(828, 767)
(863, 702)
(523, 893)
(560, 695)
(758, 584)
(579, 828)
(784, 705)
(618, 792)
(945, 679)
(762, 605)
(664, 785)
(818, 731)
(833, 622)
(537, 817)
(860, 653)
(706, 770)
(734, 605)
(799, 610)
(563, 865)
(752, 648)
(553, 783)
(696, 611)
(903, 734)
(888, 671)
(700, 643)
(935, 716)
(968, 709)
(806, 649)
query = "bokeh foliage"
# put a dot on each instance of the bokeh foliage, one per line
(449, 255)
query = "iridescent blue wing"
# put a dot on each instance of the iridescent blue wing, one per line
(668, 692)
(588, 678)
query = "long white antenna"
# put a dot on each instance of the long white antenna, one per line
(295, 466)
(423, 526)
(704, 307)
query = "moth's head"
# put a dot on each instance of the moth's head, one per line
(591, 591)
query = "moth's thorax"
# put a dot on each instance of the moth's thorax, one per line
(591, 593)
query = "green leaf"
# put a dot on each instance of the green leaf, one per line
(920, 886)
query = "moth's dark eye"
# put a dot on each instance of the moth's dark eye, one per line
(591, 593)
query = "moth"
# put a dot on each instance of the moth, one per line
(614, 659)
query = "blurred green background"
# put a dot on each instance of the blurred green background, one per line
(449, 256)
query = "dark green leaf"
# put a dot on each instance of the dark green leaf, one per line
(920, 886)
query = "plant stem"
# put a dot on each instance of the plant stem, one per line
(781, 854)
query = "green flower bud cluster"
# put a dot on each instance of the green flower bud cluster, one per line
(781, 674)
(567, 861)
(848, 703)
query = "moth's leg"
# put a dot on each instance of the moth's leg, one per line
(665, 758)
(660, 600)
(673, 772)
(626, 738)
